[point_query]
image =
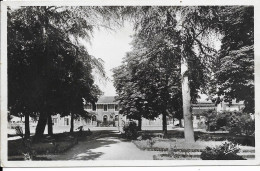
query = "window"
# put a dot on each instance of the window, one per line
(88, 121)
(88, 106)
(111, 106)
(94, 107)
(116, 107)
(94, 118)
(99, 106)
(105, 107)
(105, 118)
(116, 118)
(54, 120)
(66, 121)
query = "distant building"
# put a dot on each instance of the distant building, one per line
(235, 106)
(202, 106)
(106, 113)
(197, 111)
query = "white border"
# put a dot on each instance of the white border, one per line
(5, 163)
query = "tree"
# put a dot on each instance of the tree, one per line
(211, 117)
(43, 49)
(146, 84)
(234, 72)
(196, 31)
(178, 107)
(129, 99)
(183, 28)
(79, 87)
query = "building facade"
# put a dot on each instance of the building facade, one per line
(105, 113)
(197, 112)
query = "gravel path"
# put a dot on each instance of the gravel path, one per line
(109, 147)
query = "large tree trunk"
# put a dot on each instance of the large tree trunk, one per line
(71, 123)
(164, 123)
(188, 125)
(27, 125)
(180, 123)
(41, 125)
(50, 129)
(140, 124)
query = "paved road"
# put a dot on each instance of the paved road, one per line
(109, 147)
(61, 129)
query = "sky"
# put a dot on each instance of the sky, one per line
(111, 46)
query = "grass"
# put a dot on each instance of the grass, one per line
(178, 149)
(204, 136)
(16, 147)
(174, 147)
(55, 144)
(175, 143)
(175, 139)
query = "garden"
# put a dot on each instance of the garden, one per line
(173, 58)
(31, 149)
(237, 144)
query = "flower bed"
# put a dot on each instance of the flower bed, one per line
(49, 145)
(16, 147)
(174, 143)
(170, 157)
(178, 149)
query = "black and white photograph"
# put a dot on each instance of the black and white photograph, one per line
(114, 84)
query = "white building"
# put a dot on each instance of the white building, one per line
(106, 113)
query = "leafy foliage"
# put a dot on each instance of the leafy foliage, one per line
(148, 84)
(226, 151)
(237, 123)
(130, 131)
(48, 71)
(241, 123)
(164, 37)
(234, 69)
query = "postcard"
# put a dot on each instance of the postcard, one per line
(129, 83)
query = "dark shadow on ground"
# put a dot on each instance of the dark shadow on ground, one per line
(16, 147)
(83, 150)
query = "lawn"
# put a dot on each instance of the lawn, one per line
(204, 136)
(166, 144)
(173, 146)
(55, 144)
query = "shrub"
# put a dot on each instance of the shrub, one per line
(201, 125)
(241, 124)
(226, 151)
(210, 116)
(131, 131)
(151, 142)
(237, 123)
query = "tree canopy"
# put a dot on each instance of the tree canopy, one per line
(49, 72)
(234, 72)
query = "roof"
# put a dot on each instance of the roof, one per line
(204, 105)
(199, 111)
(200, 103)
(204, 101)
(235, 102)
(107, 100)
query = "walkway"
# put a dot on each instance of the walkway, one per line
(109, 147)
